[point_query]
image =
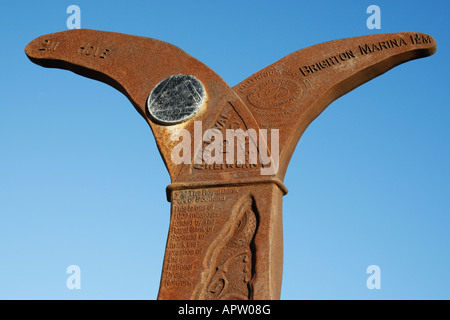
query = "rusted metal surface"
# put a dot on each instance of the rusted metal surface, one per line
(225, 235)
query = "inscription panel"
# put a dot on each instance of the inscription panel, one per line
(238, 148)
(196, 219)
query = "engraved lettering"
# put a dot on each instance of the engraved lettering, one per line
(382, 45)
(328, 62)
(194, 220)
(49, 45)
(420, 39)
(365, 50)
(218, 146)
(88, 49)
(104, 53)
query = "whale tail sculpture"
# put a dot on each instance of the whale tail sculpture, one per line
(225, 235)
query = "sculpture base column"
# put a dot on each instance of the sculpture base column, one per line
(224, 243)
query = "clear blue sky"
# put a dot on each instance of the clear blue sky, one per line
(82, 182)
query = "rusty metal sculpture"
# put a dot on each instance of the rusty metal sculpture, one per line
(225, 236)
